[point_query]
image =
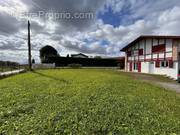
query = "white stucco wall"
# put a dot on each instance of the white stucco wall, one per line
(155, 42)
(178, 53)
(148, 46)
(128, 67)
(141, 44)
(168, 45)
(145, 67)
(161, 41)
(171, 72)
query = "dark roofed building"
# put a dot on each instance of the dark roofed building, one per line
(80, 55)
(49, 55)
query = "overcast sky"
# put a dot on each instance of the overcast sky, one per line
(114, 24)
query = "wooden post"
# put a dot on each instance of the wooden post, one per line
(29, 47)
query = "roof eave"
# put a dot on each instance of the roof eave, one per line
(146, 36)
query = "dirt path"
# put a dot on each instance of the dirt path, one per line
(171, 86)
(156, 79)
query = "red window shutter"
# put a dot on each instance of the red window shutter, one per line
(130, 66)
(139, 66)
(171, 64)
(157, 64)
(129, 53)
(158, 48)
(140, 51)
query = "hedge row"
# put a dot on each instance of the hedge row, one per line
(89, 62)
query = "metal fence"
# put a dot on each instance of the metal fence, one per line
(8, 66)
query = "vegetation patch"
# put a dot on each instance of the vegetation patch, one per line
(86, 101)
(75, 66)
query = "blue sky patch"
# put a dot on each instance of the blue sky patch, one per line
(104, 42)
(110, 18)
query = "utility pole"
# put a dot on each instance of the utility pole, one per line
(29, 47)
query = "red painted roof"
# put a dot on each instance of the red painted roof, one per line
(147, 36)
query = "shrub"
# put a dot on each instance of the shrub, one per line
(75, 66)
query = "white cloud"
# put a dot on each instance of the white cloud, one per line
(164, 23)
(9, 6)
(156, 17)
(169, 21)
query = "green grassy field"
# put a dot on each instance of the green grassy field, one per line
(86, 102)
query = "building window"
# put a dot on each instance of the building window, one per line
(129, 54)
(140, 51)
(135, 66)
(164, 64)
(157, 64)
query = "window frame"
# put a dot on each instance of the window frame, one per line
(135, 66)
(164, 64)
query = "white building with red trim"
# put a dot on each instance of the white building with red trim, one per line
(154, 55)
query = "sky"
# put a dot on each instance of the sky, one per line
(111, 26)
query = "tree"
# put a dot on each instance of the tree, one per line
(46, 52)
(98, 57)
